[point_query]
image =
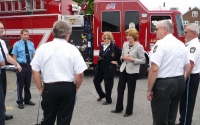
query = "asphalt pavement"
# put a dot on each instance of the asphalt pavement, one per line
(87, 110)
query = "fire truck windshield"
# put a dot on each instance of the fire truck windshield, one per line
(179, 23)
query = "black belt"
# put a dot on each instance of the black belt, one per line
(175, 77)
(24, 64)
(59, 82)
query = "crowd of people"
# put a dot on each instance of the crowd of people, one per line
(173, 77)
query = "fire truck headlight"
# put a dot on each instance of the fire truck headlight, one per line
(83, 48)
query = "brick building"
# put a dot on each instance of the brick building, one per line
(192, 16)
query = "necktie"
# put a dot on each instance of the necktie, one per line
(4, 56)
(27, 54)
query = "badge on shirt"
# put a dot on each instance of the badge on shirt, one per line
(192, 49)
(154, 49)
(112, 54)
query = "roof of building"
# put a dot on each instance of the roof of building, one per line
(191, 10)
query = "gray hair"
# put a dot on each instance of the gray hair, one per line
(168, 24)
(61, 28)
(193, 27)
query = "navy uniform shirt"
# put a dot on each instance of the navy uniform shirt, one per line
(19, 50)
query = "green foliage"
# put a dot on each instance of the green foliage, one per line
(90, 6)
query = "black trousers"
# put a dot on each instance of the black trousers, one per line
(2, 107)
(58, 100)
(167, 93)
(4, 82)
(24, 82)
(130, 79)
(188, 100)
(108, 83)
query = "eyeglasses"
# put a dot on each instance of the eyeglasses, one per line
(107, 38)
(188, 32)
(158, 29)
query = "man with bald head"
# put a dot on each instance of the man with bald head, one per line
(166, 82)
(188, 99)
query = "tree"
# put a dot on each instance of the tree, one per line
(90, 5)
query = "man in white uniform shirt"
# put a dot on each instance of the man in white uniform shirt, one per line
(169, 61)
(62, 67)
(188, 99)
(9, 59)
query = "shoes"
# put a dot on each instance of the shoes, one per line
(114, 111)
(100, 98)
(126, 115)
(8, 117)
(106, 103)
(20, 105)
(29, 102)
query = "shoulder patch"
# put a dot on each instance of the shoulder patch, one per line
(155, 48)
(192, 49)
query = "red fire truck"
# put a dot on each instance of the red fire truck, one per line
(109, 15)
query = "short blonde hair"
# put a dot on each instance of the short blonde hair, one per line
(132, 32)
(109, 34)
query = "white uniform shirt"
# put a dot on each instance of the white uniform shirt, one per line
(4, 47)
(170, 54)
(193, 48)
(58, 61)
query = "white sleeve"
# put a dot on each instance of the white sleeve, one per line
(79, 63)
(35, 63)
(157, 54)
(4, 47)
(193, 53)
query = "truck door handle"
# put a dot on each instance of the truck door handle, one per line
(97, 36)
(145, 38)
(59, 7)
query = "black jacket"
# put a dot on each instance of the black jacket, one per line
(113, 53)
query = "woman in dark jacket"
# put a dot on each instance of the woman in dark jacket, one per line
(109, 58)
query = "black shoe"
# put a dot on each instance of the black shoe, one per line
(126, 115)
(100, 98)
(106, 103)
(114, 111)
(29, 102)
(8, 117)
(20, 105)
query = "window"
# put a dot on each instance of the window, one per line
(196, 22)
(179, 24)
(155, 19)
(111, 21)
(132, 20)
(194, 13)
(185, 22)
